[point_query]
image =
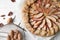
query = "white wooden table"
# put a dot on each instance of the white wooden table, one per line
(16, 8)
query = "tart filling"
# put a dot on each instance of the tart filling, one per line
(42, 17)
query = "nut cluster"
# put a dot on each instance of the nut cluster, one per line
(14, 35)
(44, 16)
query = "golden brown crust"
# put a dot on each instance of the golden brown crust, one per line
(26, 22)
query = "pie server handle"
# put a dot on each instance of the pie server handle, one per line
(45, 38)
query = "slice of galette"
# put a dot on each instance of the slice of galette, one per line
(42, 17)
(14, 35)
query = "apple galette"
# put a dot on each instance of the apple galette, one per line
(42, 17)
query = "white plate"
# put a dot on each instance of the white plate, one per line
(8, 28)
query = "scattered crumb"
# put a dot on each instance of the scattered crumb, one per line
(2, 15)
(10, 20)
(1, 24)
(13, 0)
(10, 14)
(3, 18)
